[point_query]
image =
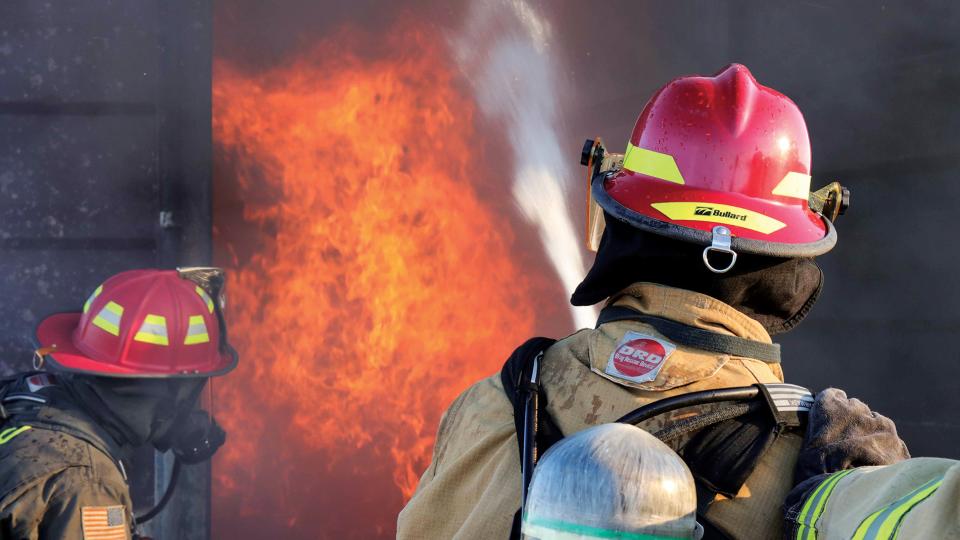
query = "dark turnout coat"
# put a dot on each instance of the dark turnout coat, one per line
(58, 474)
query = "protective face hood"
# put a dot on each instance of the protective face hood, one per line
(776, 292)
(139, 411)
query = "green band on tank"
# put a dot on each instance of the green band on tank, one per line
(596, 532)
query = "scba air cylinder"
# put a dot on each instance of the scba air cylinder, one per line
(611, 481)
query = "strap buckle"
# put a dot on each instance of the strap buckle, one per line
(789, 403)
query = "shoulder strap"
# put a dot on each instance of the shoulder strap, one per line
(697, 338)
(516, 377)
(722, 456)
(521, 383)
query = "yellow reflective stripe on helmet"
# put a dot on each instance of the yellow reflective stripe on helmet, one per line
(96, 293)
(816, 503)
(650, 163)
(794, 184)
(719, 213)
(9, 433)
(109, 318)
(206, 298)
(197, 331)
(153, 330)
(884, 524)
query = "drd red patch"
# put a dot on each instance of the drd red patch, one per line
(638, 357)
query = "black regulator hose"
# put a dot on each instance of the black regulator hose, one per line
(704, 397)
(167, 495)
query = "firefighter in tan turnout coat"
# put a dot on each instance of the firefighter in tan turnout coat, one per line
(706, 229)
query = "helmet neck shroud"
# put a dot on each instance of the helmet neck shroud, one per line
(136, 411)
(776, 292)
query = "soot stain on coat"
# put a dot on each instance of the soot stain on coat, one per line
(593, 417)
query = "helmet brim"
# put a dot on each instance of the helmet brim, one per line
(696, 236)
(56, 332)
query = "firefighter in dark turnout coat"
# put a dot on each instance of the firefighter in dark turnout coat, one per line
(127, 371)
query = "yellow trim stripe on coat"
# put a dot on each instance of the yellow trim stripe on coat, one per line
(8, 434)
(884, 524)
(816, 503)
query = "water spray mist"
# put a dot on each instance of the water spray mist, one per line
(505, 46)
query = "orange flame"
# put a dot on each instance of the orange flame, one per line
(369, 283)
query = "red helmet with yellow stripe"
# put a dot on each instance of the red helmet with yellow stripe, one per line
(144, 323)
(720, 161)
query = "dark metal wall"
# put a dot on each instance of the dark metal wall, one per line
(104, 166)
(879, 84)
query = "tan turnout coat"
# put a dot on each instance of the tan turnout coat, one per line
(471, 489)
(917, 498)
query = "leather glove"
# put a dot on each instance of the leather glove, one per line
(843, 433)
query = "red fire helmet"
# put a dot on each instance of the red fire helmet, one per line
(721, 161)
(144, 323)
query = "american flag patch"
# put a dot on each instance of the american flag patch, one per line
(104, 523)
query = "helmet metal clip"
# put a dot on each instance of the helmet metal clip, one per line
(721, 243)
(39, 356)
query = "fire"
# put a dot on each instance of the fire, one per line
(369, 282)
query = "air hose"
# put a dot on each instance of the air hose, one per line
(167, 494)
